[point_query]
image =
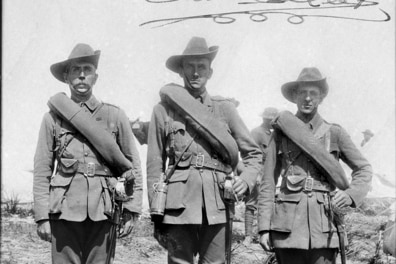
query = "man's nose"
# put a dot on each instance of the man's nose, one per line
(82, 75)
(195, 73)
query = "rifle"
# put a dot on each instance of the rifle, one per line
(116, 220)
(229, 200)
(338, 219)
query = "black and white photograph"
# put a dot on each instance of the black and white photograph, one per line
(198, 131)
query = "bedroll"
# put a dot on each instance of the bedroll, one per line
(296, 131)
(203, 121)
(103, 142)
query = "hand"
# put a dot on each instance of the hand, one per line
(44, 230)
(240, 186)
(128, 222)
(341, 199)
(265, 241)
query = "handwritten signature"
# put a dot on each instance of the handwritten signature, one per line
(261, 15)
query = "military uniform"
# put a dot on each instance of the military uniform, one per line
(298, 218)
(261, 135)
(195, 213)
(72, 198)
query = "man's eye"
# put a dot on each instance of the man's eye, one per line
(88, 69)
(75, 69)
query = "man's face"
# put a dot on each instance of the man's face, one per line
(196, 72)
(81, 77)
(308, 97)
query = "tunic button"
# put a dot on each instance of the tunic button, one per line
(309, 194)
(86, 154)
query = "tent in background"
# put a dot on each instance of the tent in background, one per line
(380, 152)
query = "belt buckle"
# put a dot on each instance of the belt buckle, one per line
(199, 162)
(308, 185)
(90, 169)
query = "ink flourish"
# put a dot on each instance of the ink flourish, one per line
(261, 15)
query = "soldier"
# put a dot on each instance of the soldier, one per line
(199, 136)
(261, 136)
(84, 145)
(300, 228)
(367, 135)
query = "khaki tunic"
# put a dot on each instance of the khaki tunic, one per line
(297, 219)
(74, 196)
(193, 192)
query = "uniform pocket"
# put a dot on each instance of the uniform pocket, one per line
(68, 166)
(58, 186)
(185, 160)
(176, 190)
(284, 212)
(294, 183)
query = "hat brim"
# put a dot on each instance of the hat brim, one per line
(175, 62)
(288, 89)
(58, 69)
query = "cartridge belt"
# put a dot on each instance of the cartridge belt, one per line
(91, 169)
(202, 161)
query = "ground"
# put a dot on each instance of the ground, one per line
(20, 243)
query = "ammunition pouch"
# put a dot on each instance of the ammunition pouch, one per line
(68, 166)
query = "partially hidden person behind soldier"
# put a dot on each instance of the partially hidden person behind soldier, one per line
(303, 223)
(199, 136)
(367, 135)
(86, 162)
(261, 136)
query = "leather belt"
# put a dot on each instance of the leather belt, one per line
(91, 169)
(310, 184)
(201, 161)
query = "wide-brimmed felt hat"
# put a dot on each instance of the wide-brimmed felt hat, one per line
(368, 132)
(80, 53)
(308, 76)
(196, 47)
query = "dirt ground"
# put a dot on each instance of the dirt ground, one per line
(20, 243)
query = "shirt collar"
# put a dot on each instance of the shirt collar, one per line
(92, 103)
(315, 122)
(205, 99)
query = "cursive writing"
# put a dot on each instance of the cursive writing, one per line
(261, 15)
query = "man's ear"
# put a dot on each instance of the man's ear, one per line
(210, 73)
(181, 72)
(65, 77)
(96, 78)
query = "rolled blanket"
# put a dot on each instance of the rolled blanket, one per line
(299, 133)
(102, 141)
(204, 122)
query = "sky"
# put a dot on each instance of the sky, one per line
(254, 60)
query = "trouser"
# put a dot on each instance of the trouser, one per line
(185, 241)
(80, 242)
(249, 217)
(302, 256)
